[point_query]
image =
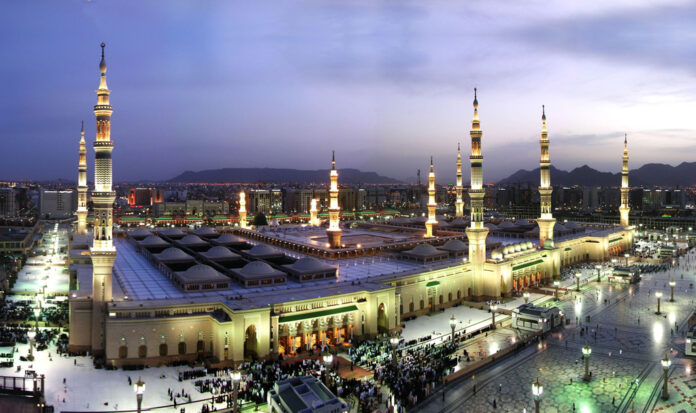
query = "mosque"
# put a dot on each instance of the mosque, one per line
(158, 296)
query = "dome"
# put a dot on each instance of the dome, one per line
(572, 225)
(173, 254)
(309, 264)
(459, 223)
(204, 231)
(443, 224)
(173, 232)
(497, 255)
(192, 240)
(258, 268)
(228, 238)
(455, 245)
(202, 272)
(401, 220)
(517, 247)
(506, 250)
(560, 228)
(506, 225)
(419, 220)
(262, 250)
(424, 250)
(153, 241)
(490, 225)
(140, 232)
(530, 245)
(533, 231)
(219, 252)
(523, 222)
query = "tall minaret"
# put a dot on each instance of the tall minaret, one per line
(242, 210)
(313, 213)
(546, 220)
(432, 205)
(459, 204)
(624, 209)
(103, 251)
(334, 231)
(476, 233)
(82, 185)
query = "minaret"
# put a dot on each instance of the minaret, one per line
(313, 220)
(546, 220)
(432, 205)
(624, 209)
(82, 185)
(242, 210)
(334, 231)
(476, 233)
(103, 252)
(459, 205)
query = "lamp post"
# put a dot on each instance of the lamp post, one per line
(586, 351)
(494, 308)
(139, 389)
(658, 294)
(577, 281)
(626, 256)
(328, 359)
(36, 317)
(31, 335)
(537, 391)
(665, 367)
(526, 297)
(236, 377)
(599, 271)
(453, 324)
(556, 284)
(672, 283)
(394, 343)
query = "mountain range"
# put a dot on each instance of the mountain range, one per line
(651, 174)
(274, 175)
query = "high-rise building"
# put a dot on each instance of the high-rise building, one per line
(103, 252)
(476, 232)
(8, 203)
(56, 204)
(546, 221)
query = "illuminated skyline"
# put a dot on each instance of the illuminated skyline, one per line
(268, 85)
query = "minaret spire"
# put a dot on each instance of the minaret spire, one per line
(432, 205)
(242, 209)
(476, 232)
(103, 251)
(459, 203)
(334, 231)
(82, 184)
(546, 221)
(624, 209)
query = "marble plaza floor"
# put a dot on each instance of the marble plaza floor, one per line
(627, 339)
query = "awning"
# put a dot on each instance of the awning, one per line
(529, 264)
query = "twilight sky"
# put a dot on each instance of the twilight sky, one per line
(211, 84)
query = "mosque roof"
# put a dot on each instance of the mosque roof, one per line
(258, 269)
(228, 238)
(455, 245)
(263, 250)
(201, 272)
(219, 252)
(140, 232)
(192, 240)
(424, 250)
(173, 232)
(205, 231)
(309, 265)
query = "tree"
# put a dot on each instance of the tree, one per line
(260, 219)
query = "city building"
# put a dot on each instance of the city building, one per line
(57, 204)
(145, 196)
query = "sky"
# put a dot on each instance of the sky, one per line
(211, 84)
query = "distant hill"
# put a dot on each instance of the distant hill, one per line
(649, 174)
(274, 175)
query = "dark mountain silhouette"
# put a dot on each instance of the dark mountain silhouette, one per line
(273, 175)
(651, 174)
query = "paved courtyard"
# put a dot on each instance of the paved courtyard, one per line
(627, 338)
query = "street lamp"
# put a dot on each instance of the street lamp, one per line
(526, 297)
(236, 377)
(394, 342)
(328, 359)
(658, 294)
(537, 391)
(665, 367)
(577, 279)
(36, 317)
(556, 284)
(672, 283)
(626, 255)
(31, 335)
(599, 270)
(139, 389)
(586, 351)
(453, 324)
(494, 308)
